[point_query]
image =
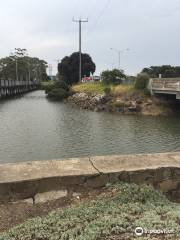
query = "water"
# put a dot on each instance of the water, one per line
(34, 128)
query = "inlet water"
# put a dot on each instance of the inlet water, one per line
(34, 128)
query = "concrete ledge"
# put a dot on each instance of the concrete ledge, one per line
(26, 180)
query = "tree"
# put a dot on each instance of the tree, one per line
(19, 63)
(114, 76)
(68, 68)
(167, 71)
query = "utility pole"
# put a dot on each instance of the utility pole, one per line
(80, 21)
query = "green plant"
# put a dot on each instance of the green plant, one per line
(47, 87)
(142, 80)
(58, 94)
(114, 216)
(61, 84)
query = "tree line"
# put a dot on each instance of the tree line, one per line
(20, 66)
(166, 71)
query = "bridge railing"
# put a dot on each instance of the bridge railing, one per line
(165, 84)
(14, 83)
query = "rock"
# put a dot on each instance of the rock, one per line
(149, 102)
(139, 101)
(49, 196)
(128, 104)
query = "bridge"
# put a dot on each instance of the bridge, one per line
(16, 87)
(169, 86)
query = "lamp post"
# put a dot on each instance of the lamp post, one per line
(119, 55)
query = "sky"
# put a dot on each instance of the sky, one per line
(149, 29)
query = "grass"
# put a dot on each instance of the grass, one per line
(123, 89)
(113, 216)
(115, 90)
(93, 88)
(98, 88)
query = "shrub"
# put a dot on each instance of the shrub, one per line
(58, 94)
(58, 90)
(48, 88)
(142, 81)
(61, 84)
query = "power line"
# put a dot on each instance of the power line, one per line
(102, 11)
(80, 21)
(101, 14)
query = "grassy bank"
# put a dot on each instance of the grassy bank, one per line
(114, 214)
(99, 88)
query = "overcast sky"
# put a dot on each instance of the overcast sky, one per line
(150, 29)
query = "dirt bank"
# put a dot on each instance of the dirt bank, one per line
(124, 104)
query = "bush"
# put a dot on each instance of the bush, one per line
(61, 84)
(58, 94)
(58, 90)
(48, 88)
(142, 81)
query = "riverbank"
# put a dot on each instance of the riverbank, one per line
(113, 212)
(123, 99)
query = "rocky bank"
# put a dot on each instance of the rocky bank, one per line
(135, 104)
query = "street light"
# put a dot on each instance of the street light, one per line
(119, 55)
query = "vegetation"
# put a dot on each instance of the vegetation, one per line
(100, 88)
(114, 215)
(57, 90)
(68, 73)
(46, 85)
(167, 71)
(114, 76)
(92, 88)
(142, 81)
(123, 89)
(68, 68)
(58, 94)
(20, 65)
